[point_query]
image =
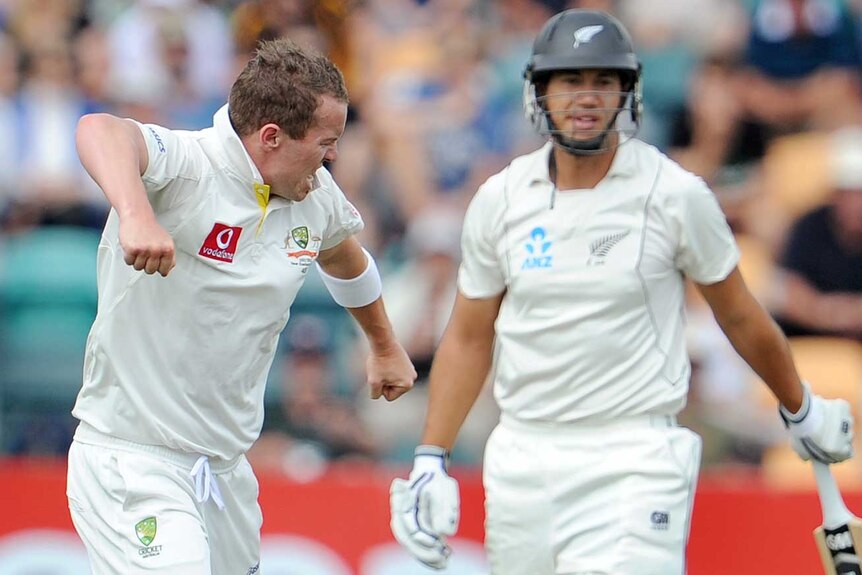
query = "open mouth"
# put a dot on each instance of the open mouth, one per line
(586, 122)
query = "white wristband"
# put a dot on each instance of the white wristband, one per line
(355, 292)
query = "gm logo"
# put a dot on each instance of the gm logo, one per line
(659, 520)
(538, 249)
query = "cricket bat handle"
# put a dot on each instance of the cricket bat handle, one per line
(835, 512)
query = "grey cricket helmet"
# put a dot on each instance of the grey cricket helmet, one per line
(576, 40)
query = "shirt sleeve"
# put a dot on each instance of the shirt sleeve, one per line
(480, 274)
(167, 156)
(707, 251)
(170, 156)
(343, 219)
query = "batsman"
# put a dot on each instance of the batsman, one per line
(571, 295)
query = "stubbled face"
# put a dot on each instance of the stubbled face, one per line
(290, 171)
(582, 104)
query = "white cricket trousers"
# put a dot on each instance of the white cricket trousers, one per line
(138, 509)
(609, 498)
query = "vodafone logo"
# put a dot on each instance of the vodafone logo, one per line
(224, 238)
(221, 243)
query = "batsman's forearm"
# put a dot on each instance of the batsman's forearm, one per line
(457, 376)
(109, 153)
(761, 343)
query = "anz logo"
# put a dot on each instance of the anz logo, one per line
(538, 249)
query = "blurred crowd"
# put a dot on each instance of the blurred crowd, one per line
(761, 98)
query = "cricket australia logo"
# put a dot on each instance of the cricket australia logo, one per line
(585, 35)
(302, 247)
(300, 236)
(538, 249)
(599, 248)
(146, 529)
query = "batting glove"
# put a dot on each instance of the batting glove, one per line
(426, 507)
(822, 429)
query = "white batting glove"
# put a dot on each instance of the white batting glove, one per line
(822, 429)
(426, 507)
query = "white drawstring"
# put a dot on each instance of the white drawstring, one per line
(205, 482)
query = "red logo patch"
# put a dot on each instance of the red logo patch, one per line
(221, 243)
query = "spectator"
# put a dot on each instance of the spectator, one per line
(820, 292)
(93, 64)
(35, 22)
(141, 69)
(51, 184)
(710, 136)
(802, 65)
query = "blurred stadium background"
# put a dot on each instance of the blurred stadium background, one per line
(761, 98)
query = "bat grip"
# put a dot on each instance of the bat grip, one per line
(835, 512)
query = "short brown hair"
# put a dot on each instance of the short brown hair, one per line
(282, 85)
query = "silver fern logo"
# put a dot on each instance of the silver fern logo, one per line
(599, 248)
(585, 34)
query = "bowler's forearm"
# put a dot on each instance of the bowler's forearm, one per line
(375, 324)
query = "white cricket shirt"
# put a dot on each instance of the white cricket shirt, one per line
(591, 326)
(182, 361)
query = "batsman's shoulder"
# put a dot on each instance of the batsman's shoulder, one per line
(676, 181)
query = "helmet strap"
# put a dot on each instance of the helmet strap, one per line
(589, 147)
